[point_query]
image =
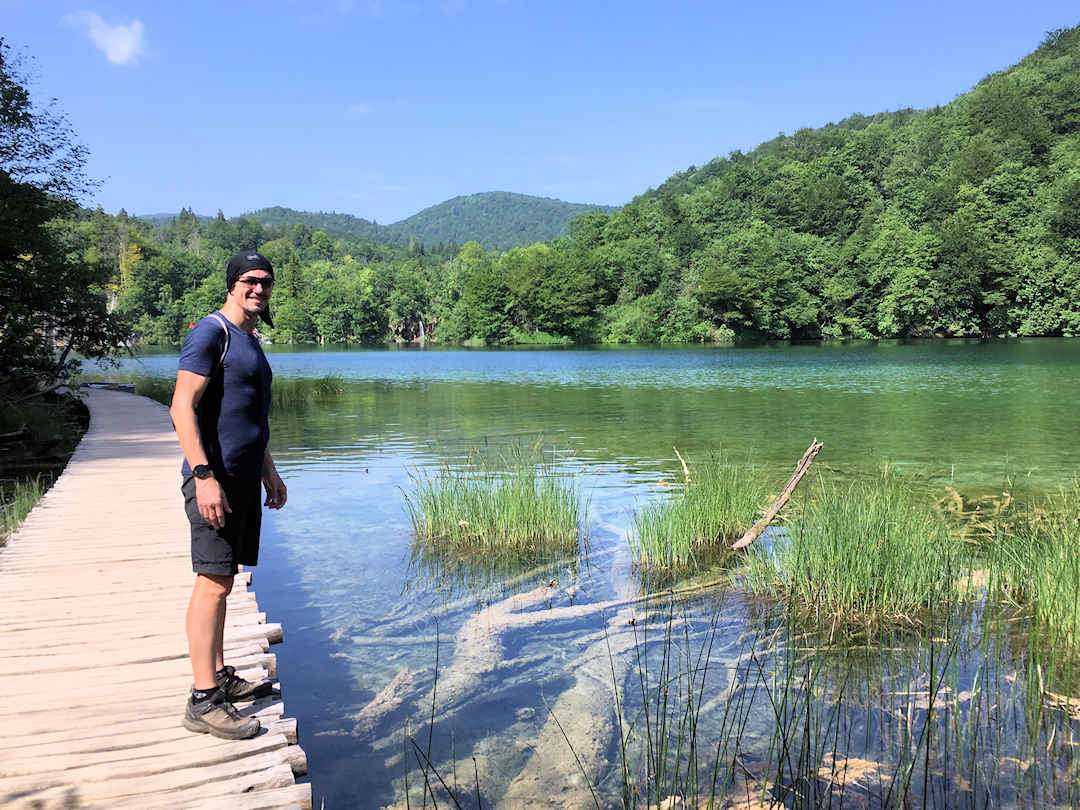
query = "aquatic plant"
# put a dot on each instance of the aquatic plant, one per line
(159, 389)
(715, 506)
(1034, 564)
(521, 504)
(862, 553)
(289, 392)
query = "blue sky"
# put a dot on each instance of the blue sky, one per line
(380, 108)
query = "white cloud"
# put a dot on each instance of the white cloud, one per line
(358, 110)
(121, 44)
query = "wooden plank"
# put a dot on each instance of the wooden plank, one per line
(115, 679)
(111, 743)
(267, 774)
(281, 798)
(170, 660)
(60, 627)
(270, 713)
(192, 751)
(166, 710)
(48, 648)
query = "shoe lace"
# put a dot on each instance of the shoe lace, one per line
(228, 708)
(230, 679)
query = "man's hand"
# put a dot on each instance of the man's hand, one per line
(211, 500)
(275, 490)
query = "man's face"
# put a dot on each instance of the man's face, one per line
(252, 291)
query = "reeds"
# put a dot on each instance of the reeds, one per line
(1034, 564)
(717, 504)
(159, 389)
(17, 498)
(290, 392)
(863, 552)
(520, 505)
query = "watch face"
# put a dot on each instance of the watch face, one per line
(202, 471)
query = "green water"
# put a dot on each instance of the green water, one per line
(362, 606)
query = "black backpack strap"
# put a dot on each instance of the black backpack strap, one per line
(225, 328)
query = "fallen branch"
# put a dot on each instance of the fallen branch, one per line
(15, 435)
(685, 469)
(774, 509)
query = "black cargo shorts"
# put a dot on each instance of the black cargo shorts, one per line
(220, 551)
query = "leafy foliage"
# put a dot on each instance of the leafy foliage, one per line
(495, 219)
(52, 301)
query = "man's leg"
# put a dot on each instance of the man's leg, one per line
(206, 627)
(209, 711)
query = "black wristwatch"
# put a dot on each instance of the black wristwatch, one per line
(202, 471)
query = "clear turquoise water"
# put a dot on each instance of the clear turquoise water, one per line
(359, 605)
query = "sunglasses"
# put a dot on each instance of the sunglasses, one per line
(251, 281)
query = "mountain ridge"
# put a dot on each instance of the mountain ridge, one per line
(495, 219)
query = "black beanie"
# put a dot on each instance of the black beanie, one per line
(240, 264)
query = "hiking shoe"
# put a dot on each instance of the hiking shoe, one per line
(219, 717)
(234, 688)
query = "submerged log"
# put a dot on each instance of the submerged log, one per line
(774, 509)
(369, 719)
(582, 729)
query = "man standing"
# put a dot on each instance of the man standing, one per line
(220, 410)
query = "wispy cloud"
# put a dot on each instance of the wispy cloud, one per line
(121, 44)
(358, 110)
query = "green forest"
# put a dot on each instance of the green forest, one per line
(495, 219)
(961, 220)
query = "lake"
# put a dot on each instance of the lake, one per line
(520, 675)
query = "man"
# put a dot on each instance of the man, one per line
(220, 410)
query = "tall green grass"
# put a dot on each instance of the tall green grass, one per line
(863, 552)
(17, 498)
(519, 505)
(159, 389)
(289, 392)
(712, 510)
(1034, 564)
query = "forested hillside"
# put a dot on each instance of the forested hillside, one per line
(961, 220)
(495, 219)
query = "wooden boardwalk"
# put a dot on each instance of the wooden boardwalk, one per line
(93, 658)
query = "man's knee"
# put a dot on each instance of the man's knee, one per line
(215, 586)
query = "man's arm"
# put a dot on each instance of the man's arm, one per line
(275, 487)
(209, 496)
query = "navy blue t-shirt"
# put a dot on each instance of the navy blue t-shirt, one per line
(234, 411)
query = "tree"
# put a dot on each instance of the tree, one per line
(52, 301)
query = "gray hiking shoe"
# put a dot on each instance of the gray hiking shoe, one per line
(235, 688)
(219, 717)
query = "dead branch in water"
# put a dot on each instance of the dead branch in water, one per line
(774, 509)
(685, 469)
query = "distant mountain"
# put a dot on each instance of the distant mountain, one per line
(334, 224)
(495, 219)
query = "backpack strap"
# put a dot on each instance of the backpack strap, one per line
(217, 316)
